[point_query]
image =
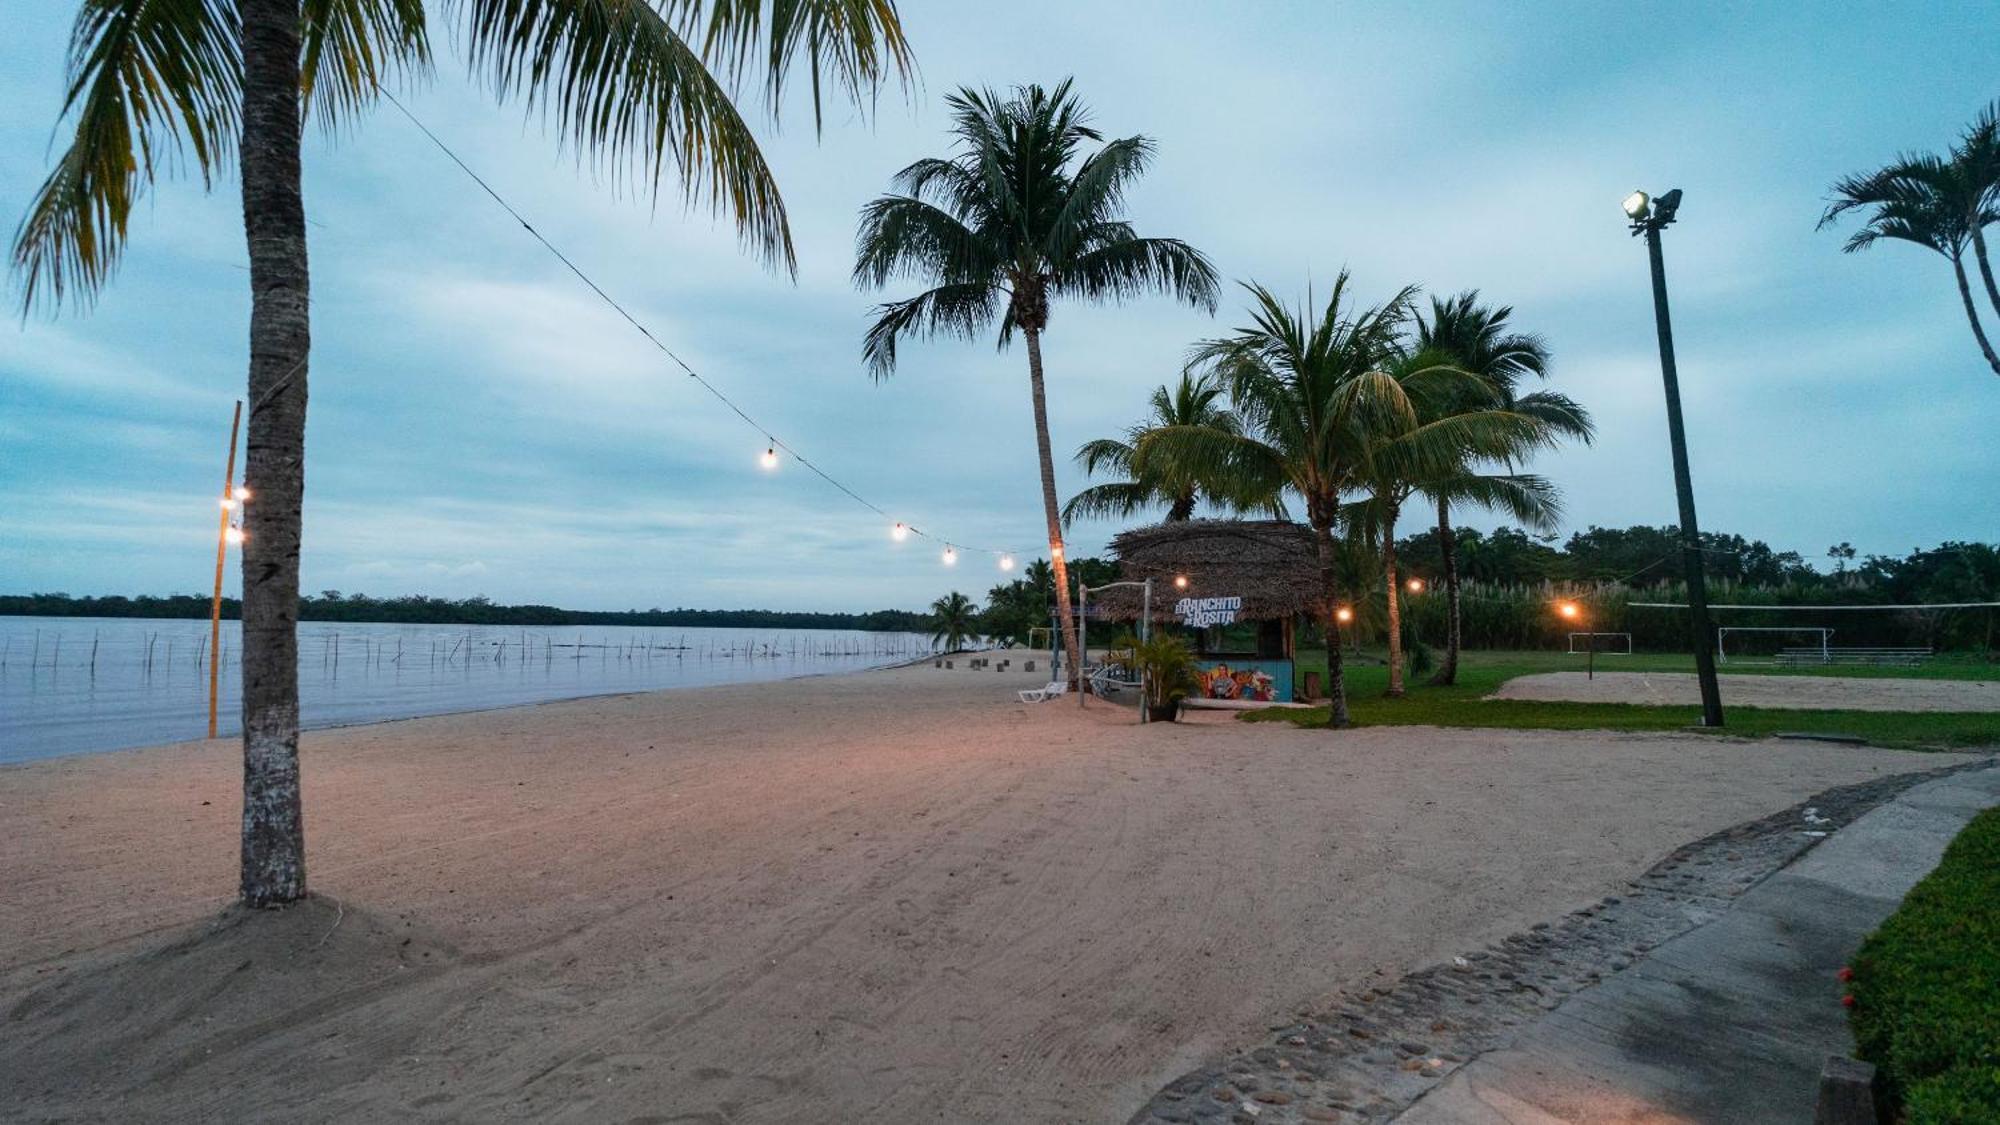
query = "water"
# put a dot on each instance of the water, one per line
(72, 685)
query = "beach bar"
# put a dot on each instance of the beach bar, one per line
(1235, 589)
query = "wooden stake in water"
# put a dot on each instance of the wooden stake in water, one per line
(221, 553)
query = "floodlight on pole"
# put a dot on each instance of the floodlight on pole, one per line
(1649, 217)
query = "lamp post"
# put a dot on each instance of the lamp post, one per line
(1649, 217)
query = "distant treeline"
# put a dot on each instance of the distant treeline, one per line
(332, 605)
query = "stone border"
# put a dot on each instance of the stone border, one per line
(1370, 1052)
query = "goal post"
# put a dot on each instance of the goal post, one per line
(1604, 644)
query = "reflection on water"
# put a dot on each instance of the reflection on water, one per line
(70, 685)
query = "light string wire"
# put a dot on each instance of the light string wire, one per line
(950, 545)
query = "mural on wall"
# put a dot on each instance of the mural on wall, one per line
(1250, 681)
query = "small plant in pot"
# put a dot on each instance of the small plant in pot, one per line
(1169, 669)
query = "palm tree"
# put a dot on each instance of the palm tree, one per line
(1941, 205)
(1478, 339)
(952, 620)
(1309, 389)
(1449, 419)
(1016, 218)
(1194, 401)
(639, 85)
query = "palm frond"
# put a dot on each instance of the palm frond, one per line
(948, 310)
(904, 236)
(1142, 265)
(1111, 500)
(146, 79)
(349, 48)
(857, 44)
(618, 81)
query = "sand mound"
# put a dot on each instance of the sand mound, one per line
(1799, 693)
(251, 986)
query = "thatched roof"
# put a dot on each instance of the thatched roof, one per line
(1273, 565)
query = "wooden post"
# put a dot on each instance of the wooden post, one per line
(221, 553)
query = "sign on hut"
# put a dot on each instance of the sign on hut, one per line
(1234, 588)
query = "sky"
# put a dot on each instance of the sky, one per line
(481, 424)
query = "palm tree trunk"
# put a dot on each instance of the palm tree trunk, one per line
(1070, 652)
(1447, 673)
(1329, 590)
(1395, 602)
(274, 854)
(1972, 314)
(1985, 267)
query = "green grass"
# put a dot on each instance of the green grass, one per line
(1927, 987)
(1481, 673)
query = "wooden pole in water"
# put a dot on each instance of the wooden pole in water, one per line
(221, 553)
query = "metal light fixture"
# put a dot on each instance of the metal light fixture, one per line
(1637, 205)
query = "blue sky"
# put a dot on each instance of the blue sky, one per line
(479, 425)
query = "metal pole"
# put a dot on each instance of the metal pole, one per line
(1691, 568)
(1082, 641)
(1145, 634)
(221, 552)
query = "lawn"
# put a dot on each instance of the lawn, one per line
(1480, 673)
(1926, 987)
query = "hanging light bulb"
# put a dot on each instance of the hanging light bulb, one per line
(234, 535)
(1343, 615)
(770, 458)
(1006, 562)
(242, 494)
(951, 556)
(899, 532)
(228, 503)
(1180, 581)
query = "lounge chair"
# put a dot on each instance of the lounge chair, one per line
(1044, 694)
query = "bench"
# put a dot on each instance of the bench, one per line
(1855, 654)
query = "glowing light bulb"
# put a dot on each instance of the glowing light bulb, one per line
(1416, 585)
(228, 504)
(1343, 615)
(951, 556)
(1569, 610)
(1055, 552)
(242, 493)
(770, 458)
(899, 532)
(1180, 581)
(235, 535)
(1006, 562)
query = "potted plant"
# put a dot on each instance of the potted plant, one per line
(1169, 670)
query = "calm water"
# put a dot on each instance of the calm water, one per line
(71, 685)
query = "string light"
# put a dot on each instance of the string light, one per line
(1569, 610)
(242, 493)
(1006, 562)
(951, 556)
(1416, 585)
(1343, 615)
(770, 456)
(235, 535)
(1180, 581)
(228, 504)
(899, 532)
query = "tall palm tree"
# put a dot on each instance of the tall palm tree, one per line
(1309, 389)
(1479, 339)
(1451, 419)
(1197, 400)
(1017, 217)
(953, 620)
(1976, 159)
(640, 85)
(1941, 205)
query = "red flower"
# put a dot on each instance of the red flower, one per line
(1845, 973)
(1847, 1001)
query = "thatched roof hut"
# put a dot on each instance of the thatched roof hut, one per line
(1273, 565)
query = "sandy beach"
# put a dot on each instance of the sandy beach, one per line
(1837, 693)
(885, 896)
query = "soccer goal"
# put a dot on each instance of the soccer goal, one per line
(1608, 644)
(1773, 641)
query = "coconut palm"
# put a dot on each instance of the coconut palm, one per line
(1449, 418)
(1194, 401)
(1019, 216)
(1309, 389)
(231, 80)
(1941, 205)
(953, 620)
(1478, 339)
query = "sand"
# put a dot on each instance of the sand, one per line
(1842, 693)
(889, 896)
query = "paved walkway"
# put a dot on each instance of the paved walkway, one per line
(1730, 1021)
